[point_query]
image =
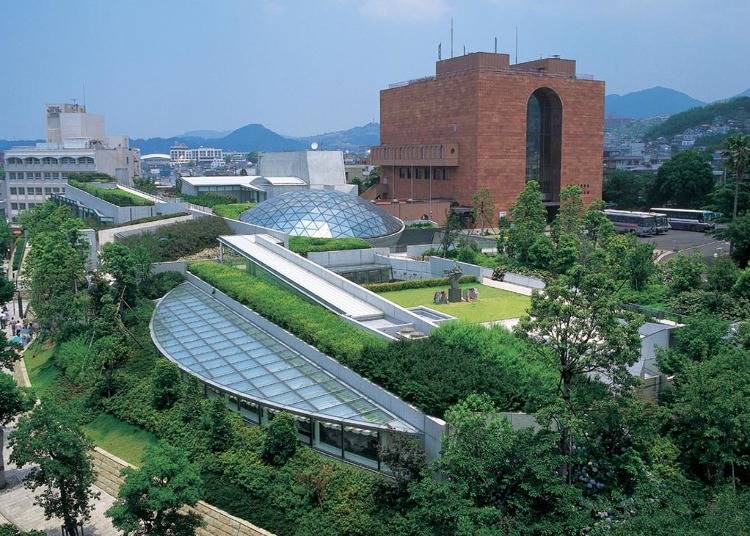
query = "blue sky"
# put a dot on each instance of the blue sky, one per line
(161, 67)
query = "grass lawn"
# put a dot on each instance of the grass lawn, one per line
(119, 438)
(493, 304)
(232, 210)
(41, 373)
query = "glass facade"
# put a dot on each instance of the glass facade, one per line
(544, 142)
(323, 214)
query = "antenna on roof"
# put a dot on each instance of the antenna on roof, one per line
(495, 44)
(451, 37)
(84, 94)
(440, 54)
(516, 45)
(464, 50)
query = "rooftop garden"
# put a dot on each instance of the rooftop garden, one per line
(305, 244)
(182, 239)
(493, 303)
(116, 196)
(209, 200)
(232, 210)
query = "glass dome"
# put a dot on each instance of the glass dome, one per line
(323, 214)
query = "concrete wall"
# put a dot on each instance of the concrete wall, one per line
(389, 308)
(109, 478)
(407, 268)
(439, 265)
(242, 228)
(122, 214)
(350, 257)
(431, 426)
(524, 280)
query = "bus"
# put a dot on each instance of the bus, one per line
(684, 219)
(639, 223)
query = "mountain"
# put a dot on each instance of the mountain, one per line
(745, 93)
(733, 112)
(355, 139)
(653, 102)
(205, 134)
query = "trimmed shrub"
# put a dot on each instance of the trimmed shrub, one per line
(181, 239)
(159, 284)
(232, 210)
(308, 321)
(18, 253)
(118, 197)
(416, 283)
(210, 200)
(280, 442)
(303, 245)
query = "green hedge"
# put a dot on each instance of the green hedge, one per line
(210, 200)
(232, 210)
(18, 253)
(308, 321)
(92, 176)
(181, 239)
(304, 244)
(416, 283)
(118, 197)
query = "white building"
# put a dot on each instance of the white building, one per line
(76, 143)
(181, 154)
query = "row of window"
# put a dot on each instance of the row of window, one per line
(35, 190)
(352, 444)
(36, 175)
(410, 172)
(23, 206)
(13, 160)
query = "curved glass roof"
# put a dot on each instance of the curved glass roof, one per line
(323, 214)
(209, 340)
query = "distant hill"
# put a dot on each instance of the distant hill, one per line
(745, 93)
(737, 110)
(654, 102)
(205, 134)
(354, 139)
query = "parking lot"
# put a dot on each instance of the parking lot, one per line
(688, 241)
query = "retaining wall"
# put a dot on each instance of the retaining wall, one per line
(349, 257)
(432, 427)
(523, 280)
(109, 478)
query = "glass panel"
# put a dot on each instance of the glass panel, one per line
(361, 446)
(328, 438)
(249, 411)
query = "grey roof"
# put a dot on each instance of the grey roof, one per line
(323, 214)
(209, 340)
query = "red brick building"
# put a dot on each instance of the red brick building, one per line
(482, 122)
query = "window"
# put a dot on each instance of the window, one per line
(21, 190)
(249, 411)
(21, 206)
(29, 175)
(328, 438)
(12, 175)
(47, 175)
(14, 206)
(56, 175)
(361, 446)
(38, 190)
(544, 142)
(56, 189)
(38, 175)
(13, 191)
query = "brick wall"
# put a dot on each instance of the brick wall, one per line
(218, 523)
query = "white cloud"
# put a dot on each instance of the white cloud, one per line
(408, 10)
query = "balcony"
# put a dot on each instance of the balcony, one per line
(431, 154)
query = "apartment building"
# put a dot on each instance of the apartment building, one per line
(76, 143)
(181, 154)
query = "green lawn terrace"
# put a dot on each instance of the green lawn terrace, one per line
(493, 305)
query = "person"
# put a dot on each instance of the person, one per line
(436, 297)
(3, 319)
(13, 324)
(443, 297)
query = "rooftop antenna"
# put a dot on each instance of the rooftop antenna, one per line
(464, 50)
(451, 37)
(440, 55)
(84, 94)
(495, 44)
(516, 45)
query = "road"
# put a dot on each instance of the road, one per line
(688, 242)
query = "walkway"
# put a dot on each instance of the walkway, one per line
(295, 273)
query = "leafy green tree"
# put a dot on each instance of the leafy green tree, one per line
(127, 267)
(684, 272)
(405, 457)
(528, 221)
(166, 384)
(578, 324)
(7, 289)
(712, 420)
(639, 264)
(722, 274)
(700, 339)
(597, 228)
(9, 352)
(218, 426)
(741, 287)
(737, 233)
(737, 155)
(10, 530)
(685, 180)
(721, 198)
(484, 208)
(49, 217)
(151, 500)
(542, 253)
(280, 441)
(60, 463)
(6, 236)
(626, 189)
(14, 400)
(450, 233)
(568, 219)
(111, 352)
(567, 253)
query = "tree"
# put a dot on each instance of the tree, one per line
(737, 233)
(450, 233)
(49, 217)
(6, 237)
(528, 221)
(685, 180)
(14, 400)
(280, 442)
(737, 155)
(150, 501)
(58, 453)
(127, 268)
(639, 264)
(7, 289)
(8, 352)
(741, 288)
(484, 208)
(243, 172)
(404, 456)
(568, 220)
(10, 530)
(626, 189)
(166, 386)
(712, 421)
(579, 325)
(218, 426)
(722, 274)
(684, 272)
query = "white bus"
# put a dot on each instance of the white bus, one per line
(684, 219)
(639, 223)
